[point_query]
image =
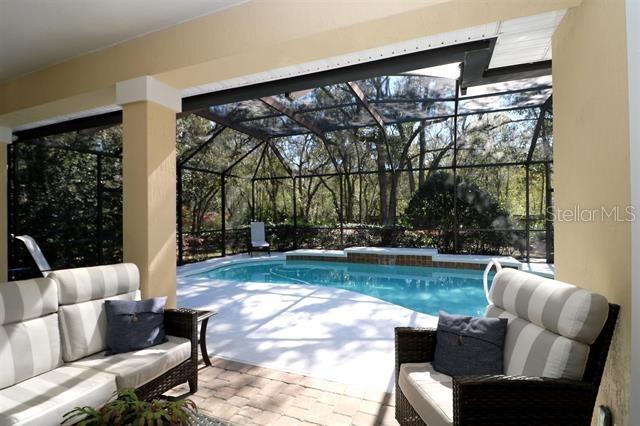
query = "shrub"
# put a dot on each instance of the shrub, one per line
(483, 225)
(127, 409)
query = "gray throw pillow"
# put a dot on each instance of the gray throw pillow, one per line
(134, 325)
(468, 346)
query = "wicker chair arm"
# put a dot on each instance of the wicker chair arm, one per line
(182, 322)
(414, 345)
(517, 400)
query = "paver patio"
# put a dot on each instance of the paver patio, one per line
(245, 394)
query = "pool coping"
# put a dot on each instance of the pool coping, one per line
(187, 270)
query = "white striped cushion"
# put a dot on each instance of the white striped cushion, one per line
(554, 305)
(530, 350)
(83, 284)
(133, 369)
(43, 400)
(23, 300)
(83, 327)
(429, 392)
(28, 348)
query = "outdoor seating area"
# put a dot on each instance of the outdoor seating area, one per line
(555, 350)
(319, 213)
(554, 354)
(54, 354)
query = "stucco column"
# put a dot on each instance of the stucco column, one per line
(5, 140)
(149, 182)
(592, 173)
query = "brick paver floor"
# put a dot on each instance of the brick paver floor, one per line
(250, 395)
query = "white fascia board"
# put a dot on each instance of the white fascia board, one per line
(6, 135)
(147, 88)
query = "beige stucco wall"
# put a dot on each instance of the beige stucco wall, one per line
(149, 196)
(257, 36)
(591, 155)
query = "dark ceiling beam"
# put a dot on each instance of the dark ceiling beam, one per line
(102, 120)
(475, 64)
(514, 72)
(360, 71)
(224, 121)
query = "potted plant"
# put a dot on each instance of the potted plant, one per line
(127, 410)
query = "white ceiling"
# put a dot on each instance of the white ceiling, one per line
(37, 33)
(525, 39)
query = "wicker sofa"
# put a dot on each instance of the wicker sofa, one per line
(556, 347)
(52, 343)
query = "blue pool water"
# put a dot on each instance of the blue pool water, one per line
(422, 289)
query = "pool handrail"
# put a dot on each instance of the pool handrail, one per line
(485, 276)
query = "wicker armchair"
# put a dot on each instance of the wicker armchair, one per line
(180, 322)
(509, 400)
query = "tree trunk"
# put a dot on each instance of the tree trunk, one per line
(423, 143)
(334, 197)
(382, 181)
(393, 199)
(412, 179)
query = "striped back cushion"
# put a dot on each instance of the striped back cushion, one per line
(81, 294)
(531, 350)
(84, 327)
(561, 308)
(97, 282)
(29, 336)
(28, 299)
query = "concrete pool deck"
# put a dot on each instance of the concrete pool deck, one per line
(326, 333)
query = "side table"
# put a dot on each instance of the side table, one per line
(203, 319)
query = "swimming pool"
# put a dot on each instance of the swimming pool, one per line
(422, 289)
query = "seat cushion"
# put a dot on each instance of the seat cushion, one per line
(83, 327)
(530, 350)
(133, 369)
(562, 308)
(97, 282)
(430, 393)
(28, 348)
(44, 399)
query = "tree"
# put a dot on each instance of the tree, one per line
(432, 207)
